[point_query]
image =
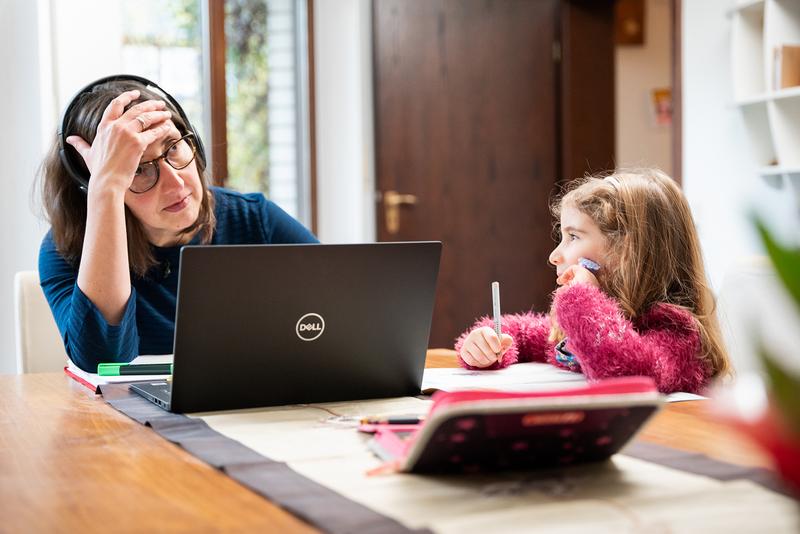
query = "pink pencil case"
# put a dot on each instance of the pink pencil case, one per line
(474, 431)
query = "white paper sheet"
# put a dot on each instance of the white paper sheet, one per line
(532, 376)
(518, 377)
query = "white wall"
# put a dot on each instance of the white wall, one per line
(719, 170)
(639, 70)
(345, 160)
(83, 25)
(21, 150)
(723, 187)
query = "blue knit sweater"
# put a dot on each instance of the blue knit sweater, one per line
(148, 324)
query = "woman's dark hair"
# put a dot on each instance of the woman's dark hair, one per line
(65, 203)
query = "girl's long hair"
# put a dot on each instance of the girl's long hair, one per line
(654, 249)
(65, 204)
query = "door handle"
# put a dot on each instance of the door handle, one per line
(392, 200)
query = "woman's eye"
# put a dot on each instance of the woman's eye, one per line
(174, 147)
(139, 170)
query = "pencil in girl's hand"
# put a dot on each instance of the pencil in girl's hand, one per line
(496, 307)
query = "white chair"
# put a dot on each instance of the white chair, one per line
(39, 345)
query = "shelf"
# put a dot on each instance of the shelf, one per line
(747, 53)
(790, 92)
(746, 6)
(771, 117)
(753, 100)
(777, 170)
(785, 179)
(759, 134)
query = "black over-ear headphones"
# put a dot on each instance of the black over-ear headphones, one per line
(72, 160)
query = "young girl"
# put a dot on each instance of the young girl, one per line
(633, 298)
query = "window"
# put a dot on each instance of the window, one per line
(265, 71)
(266, 96)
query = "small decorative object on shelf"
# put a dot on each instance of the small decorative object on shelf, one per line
(786, 67)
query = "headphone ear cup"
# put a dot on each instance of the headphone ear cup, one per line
(78, 173)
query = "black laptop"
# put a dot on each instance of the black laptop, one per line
(268, 325)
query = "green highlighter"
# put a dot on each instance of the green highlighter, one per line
(121, 369)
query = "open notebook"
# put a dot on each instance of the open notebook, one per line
(520, 377)
(93, 381)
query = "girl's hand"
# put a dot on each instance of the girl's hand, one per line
(577, 274)
(482, 347)
(121, 139)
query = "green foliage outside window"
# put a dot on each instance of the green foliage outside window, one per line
(247, 77)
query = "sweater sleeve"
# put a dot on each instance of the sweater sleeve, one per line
(606, 344)
(88, 338)
(280, 227)
(529, 332)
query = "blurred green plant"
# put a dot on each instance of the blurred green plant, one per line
(785, 387)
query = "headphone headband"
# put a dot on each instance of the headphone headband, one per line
(72, 161)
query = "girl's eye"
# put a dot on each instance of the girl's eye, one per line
(572, 237)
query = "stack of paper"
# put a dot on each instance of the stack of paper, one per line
(524, 377)
(518, 377)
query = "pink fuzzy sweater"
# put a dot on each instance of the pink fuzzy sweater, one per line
(662, 343)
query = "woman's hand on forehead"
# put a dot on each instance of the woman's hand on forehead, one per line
(156, 148)
(122, 137)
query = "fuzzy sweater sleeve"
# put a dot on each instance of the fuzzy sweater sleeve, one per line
(529, 331)
(606, 344)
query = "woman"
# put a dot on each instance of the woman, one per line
(124, 189)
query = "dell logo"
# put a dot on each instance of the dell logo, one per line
(310, 327)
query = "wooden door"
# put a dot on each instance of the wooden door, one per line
(466, 121)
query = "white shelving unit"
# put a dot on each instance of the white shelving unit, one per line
(772, 116)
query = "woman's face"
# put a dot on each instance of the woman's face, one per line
(173, 204)
(580, 238)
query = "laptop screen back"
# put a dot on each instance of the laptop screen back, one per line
(265, 325)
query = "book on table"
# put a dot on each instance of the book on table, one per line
(93, 381)
(474, 431)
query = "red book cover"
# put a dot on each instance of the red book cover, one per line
(81, 380)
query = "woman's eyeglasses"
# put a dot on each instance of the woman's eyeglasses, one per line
(178, 155)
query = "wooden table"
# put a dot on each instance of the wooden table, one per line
(70, 462)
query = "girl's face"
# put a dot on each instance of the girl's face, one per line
(580, 238)
(173, 203)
